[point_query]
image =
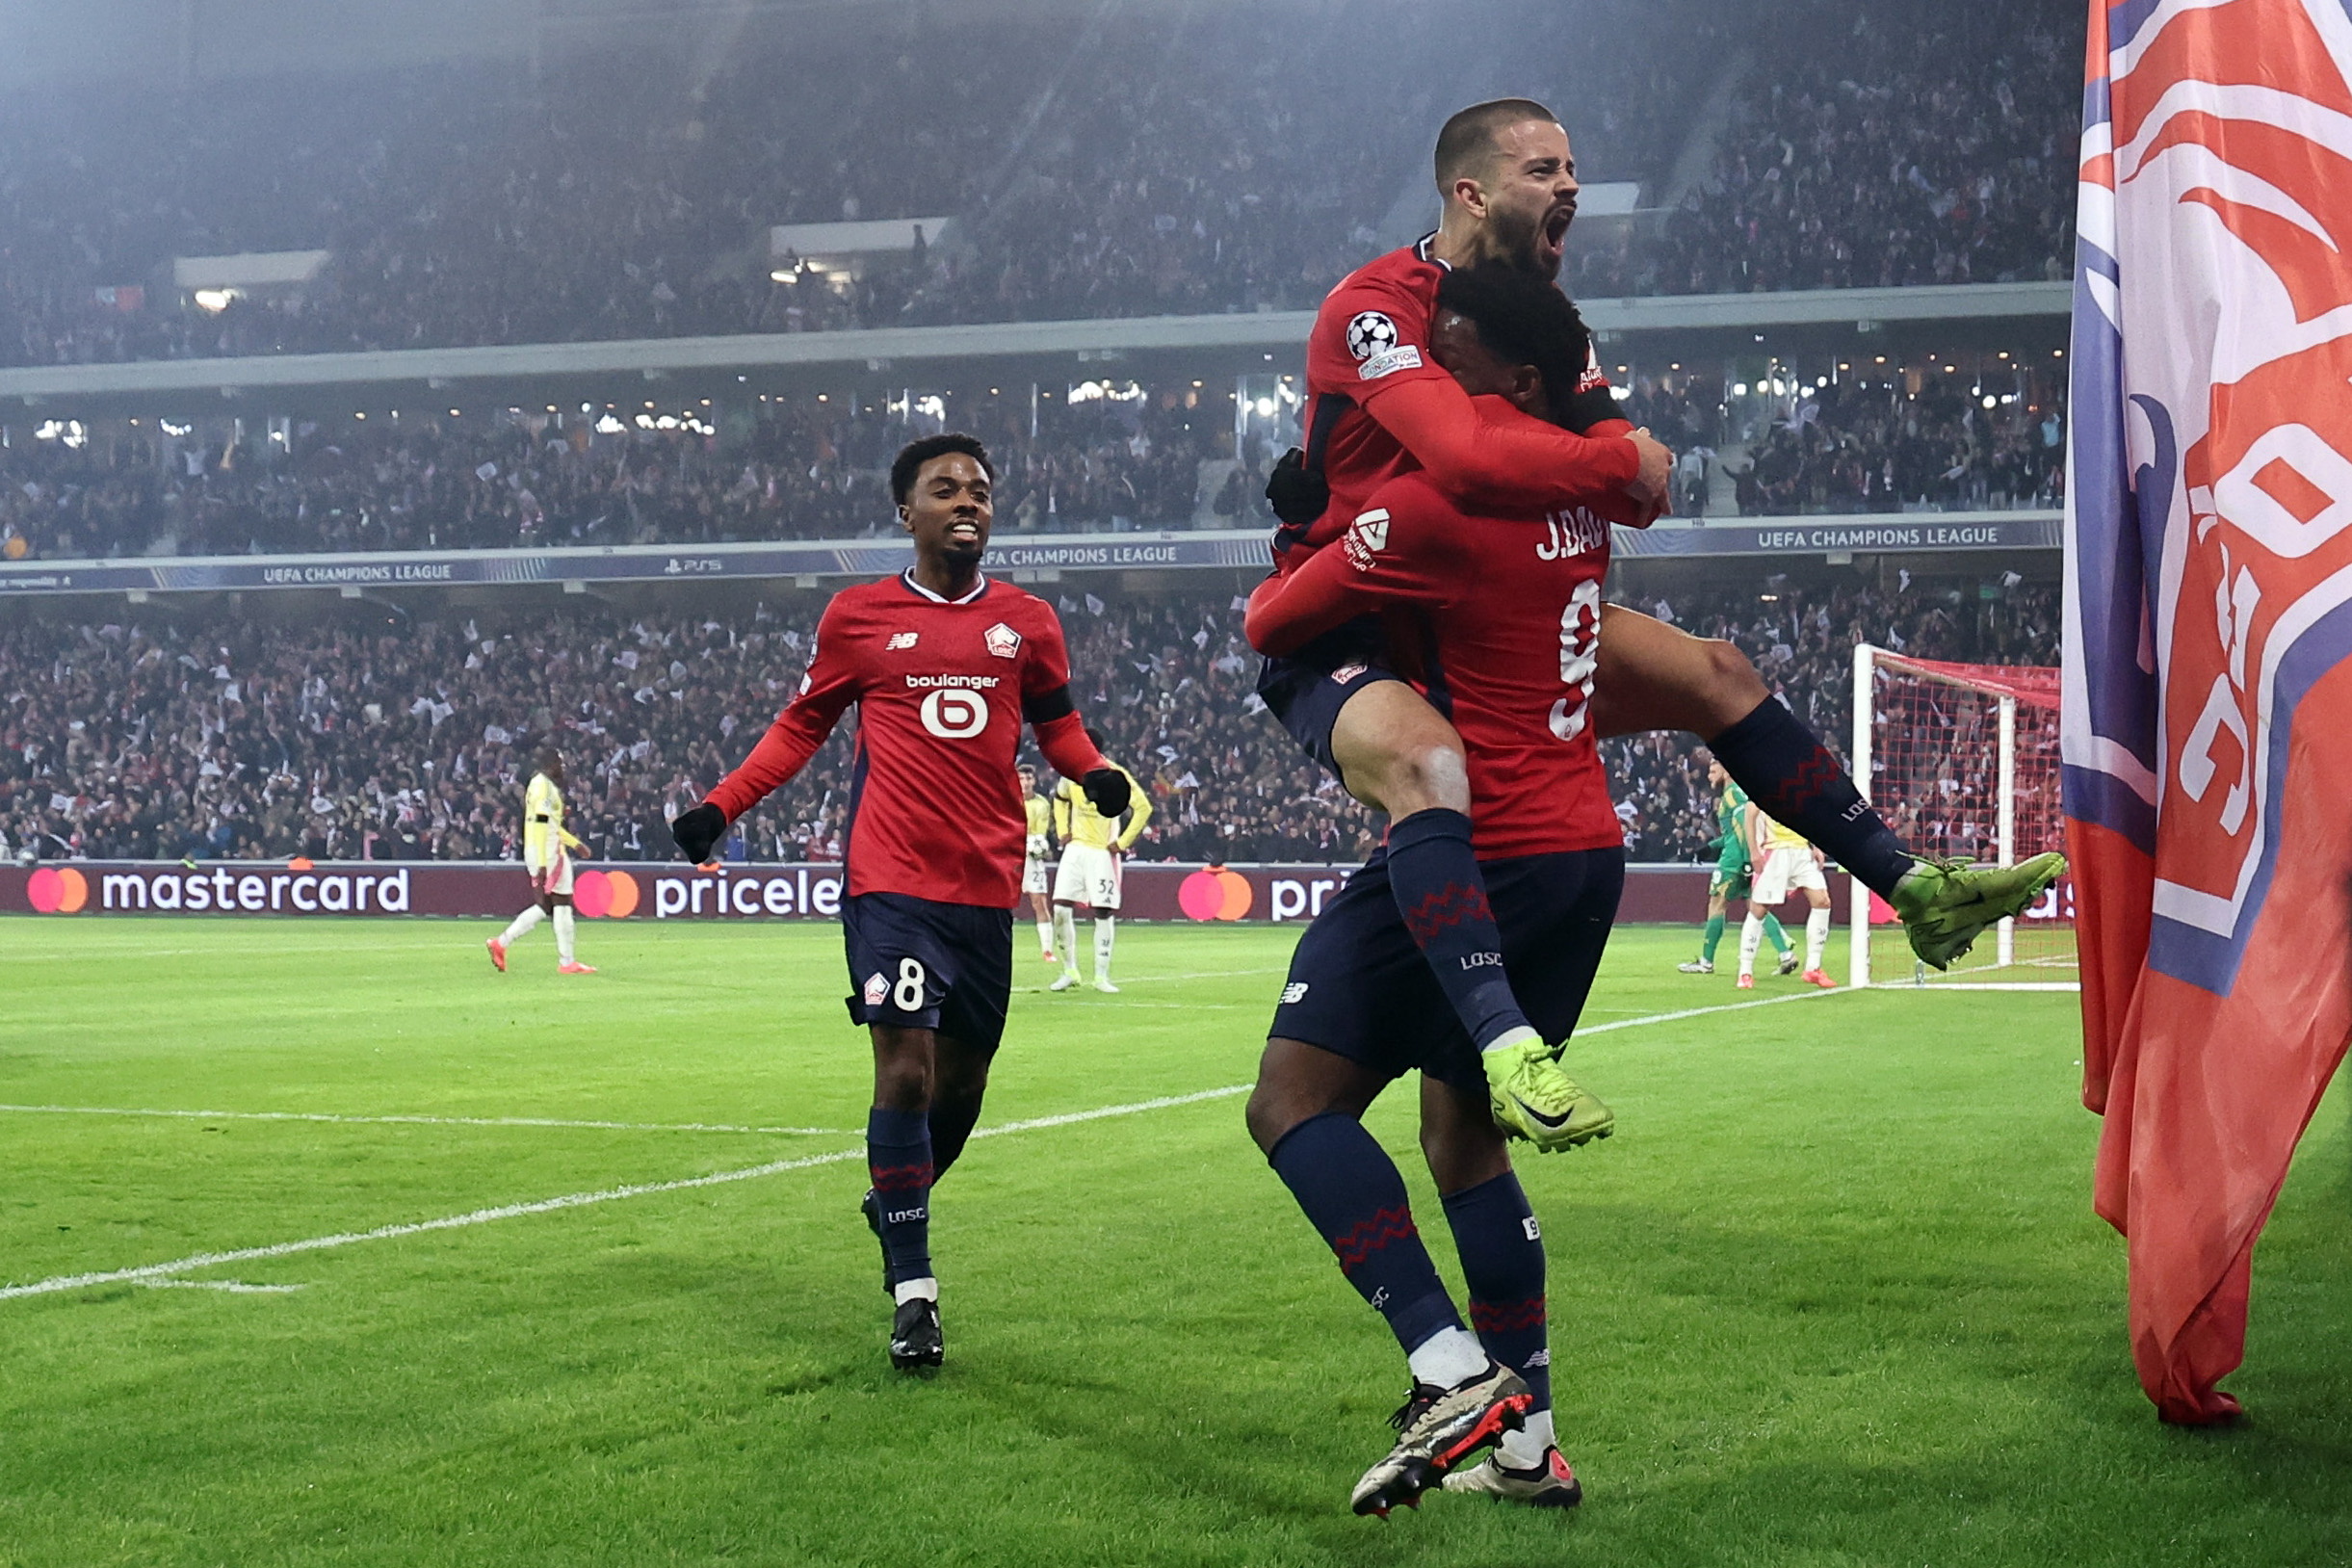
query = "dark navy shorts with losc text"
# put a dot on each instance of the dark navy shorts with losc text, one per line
(917, 964)
(1305, 690)
(1360, 988)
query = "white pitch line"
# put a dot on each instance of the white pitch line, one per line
(423, 1121)
(235, 1287)
(155, 1272)
(1701, 1012)
(1985, 985)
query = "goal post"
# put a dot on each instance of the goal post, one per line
(1960, 760)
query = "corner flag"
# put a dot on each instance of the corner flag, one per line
(2207, 703)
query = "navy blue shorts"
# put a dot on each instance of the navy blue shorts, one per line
(1359, 988)
(917, 964)
(1306, 690)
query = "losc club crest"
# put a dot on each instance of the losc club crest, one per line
(1002, 641)
(877, 988)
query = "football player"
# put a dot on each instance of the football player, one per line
(1035, 874)
(1091, 847)
(945, 665)
(547, 846)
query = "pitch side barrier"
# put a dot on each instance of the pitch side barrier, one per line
(1031, 559)
(354, 890)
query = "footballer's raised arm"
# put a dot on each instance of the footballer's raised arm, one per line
(1391, 553)
(1487, 456)
(833, 683)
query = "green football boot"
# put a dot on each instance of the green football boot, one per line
(1945, 904)
(1534, 1100)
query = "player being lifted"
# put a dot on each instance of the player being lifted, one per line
(1508, 607)
(1376, 408)
(1091, 844)
(1732, 879)
(945, 665)
(1782, 860)
(1035, 874)
(547, 846)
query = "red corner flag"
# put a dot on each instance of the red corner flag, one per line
(2208, 710)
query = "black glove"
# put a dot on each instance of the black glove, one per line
(697, 830)
(1299, 496)
(1105, 789)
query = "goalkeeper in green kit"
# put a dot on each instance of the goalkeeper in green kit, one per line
(1731, 878)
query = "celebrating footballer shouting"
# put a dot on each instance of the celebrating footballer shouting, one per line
(1376, 409)
(945, 665)
(1508, 607)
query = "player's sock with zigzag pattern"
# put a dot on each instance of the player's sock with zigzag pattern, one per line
(1774, 934)
(1501, 1249)
(1355, 1199)
(899, 1163)
(1789, 773)
(1711, 939)
(1436, 883)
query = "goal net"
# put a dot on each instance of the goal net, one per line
(1963, 760)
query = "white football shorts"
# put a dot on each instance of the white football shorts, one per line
(1088, 876)
(1784, 870)
(559, 875)
(1037, 877)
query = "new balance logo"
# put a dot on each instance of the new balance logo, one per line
(1295, 991)
(901, 639)
(1541, 1358)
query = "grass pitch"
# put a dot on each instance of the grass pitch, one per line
(1832, 1295)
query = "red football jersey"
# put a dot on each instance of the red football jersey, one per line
(1510, 616)
(1371, 332)
(934, 809)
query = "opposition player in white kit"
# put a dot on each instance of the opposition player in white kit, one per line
(1036, 875)
(1785, 861)
(547, 846)
(1091, 844)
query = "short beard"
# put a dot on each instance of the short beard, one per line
(1519, 245)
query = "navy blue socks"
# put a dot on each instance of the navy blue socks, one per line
(1435, 880)
(1355, 1198)
(898, 1161)
(1503, 1262)
(1792, 776)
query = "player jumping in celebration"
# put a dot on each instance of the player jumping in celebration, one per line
(944, 664)
(1731, 879)
(1784, 860)
(1508, 607)
(547, 846)
(1377, 409)
(1035, 874)
(1091, 847)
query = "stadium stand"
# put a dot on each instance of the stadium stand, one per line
(167, 734)
(1221, 159)
(813, 466)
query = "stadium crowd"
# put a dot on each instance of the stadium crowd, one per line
(223, 738)
(1210, 160)
(814, 467)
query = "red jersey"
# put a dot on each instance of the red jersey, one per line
(1371, 335)
(1509, 614)
(940, 687)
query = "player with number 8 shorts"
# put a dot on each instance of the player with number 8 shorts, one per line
(945, 665)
